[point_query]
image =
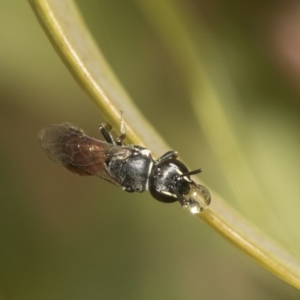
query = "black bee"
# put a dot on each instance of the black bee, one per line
(130, 167)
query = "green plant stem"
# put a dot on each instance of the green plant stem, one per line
(72, 40)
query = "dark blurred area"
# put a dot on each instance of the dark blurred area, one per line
(67, 237)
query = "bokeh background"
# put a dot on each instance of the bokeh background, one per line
(67, 237)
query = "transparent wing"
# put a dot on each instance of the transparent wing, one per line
(70, 147)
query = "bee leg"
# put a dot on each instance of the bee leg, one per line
(105, 130)
(119, 140)
(168, 155)
(179, 197)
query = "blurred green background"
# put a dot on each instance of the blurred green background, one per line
(67, 237)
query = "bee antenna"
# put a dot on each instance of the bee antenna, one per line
(191, 173)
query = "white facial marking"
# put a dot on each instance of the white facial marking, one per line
(169, 194)
(179, 173)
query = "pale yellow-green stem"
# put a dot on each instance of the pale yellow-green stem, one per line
(72, 40)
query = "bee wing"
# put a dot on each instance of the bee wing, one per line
(70, 147)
